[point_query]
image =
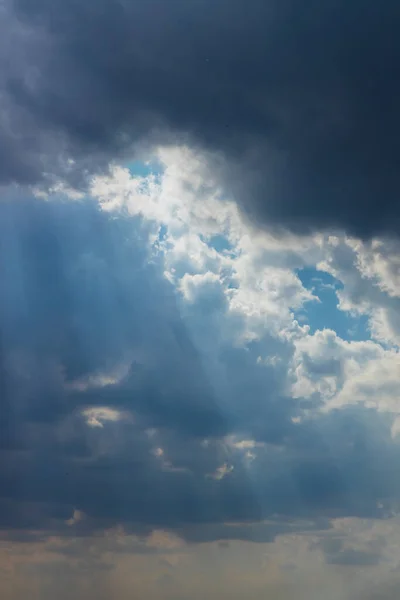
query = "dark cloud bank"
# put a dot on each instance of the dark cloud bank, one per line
(298, 100)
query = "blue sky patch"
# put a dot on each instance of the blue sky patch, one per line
(326, 314)
(219, 242)
(140, 168)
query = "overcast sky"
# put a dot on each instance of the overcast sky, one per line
(200, 299)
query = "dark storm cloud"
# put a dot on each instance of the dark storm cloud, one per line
(299, 100)
(121, 481)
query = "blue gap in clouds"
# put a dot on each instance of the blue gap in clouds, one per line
(325, 314)
(144, 169)
(219, 242)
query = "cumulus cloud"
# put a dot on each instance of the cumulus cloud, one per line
(155, 376)
(369, 273)
(185, 187)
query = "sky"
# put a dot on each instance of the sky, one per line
(200, 300)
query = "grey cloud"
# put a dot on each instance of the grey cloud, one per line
(298, 102)
(128, 485)
(352, 557)
(64, 569)
(80, 298)
(337, 552)
(253, 532)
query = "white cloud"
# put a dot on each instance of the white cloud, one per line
(257, 267)
(99, 379)
(370, 274)
(77, 517)
(379, 261)
(239, 286)
(97, 416)
(343, 372)
(375, 384)
(221, 472)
